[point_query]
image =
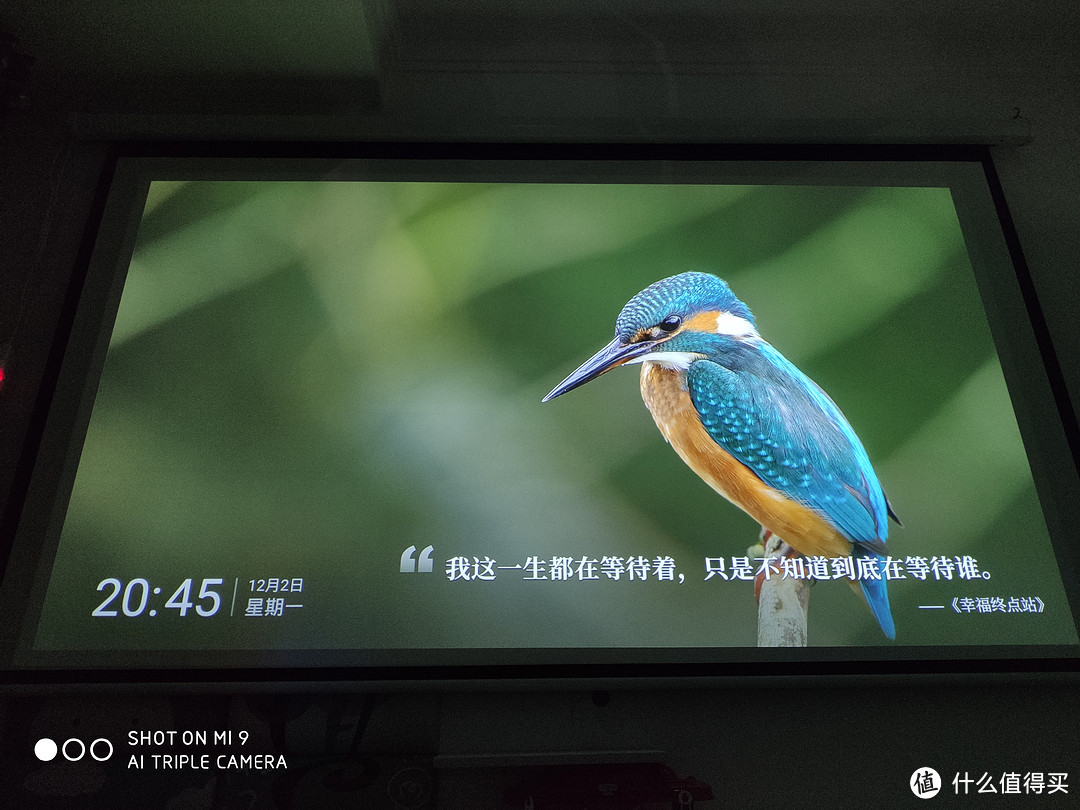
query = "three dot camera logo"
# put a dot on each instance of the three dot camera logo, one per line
(925, 783)
(73, 749)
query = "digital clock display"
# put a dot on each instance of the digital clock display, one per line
(135, 598)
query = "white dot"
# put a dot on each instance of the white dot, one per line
(45, 749)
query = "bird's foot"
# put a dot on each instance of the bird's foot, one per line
(771, 546)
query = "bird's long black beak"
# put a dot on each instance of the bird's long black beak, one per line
(614, 354)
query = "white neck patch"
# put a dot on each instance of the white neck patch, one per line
(733, 325)
(680, 361)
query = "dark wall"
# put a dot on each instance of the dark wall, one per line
(47, 190)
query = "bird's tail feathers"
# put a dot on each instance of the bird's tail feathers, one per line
(877, 596)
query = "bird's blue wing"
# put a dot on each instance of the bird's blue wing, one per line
(775, 420)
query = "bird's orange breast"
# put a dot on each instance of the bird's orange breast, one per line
(669, 403)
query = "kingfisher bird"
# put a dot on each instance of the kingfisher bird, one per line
(749, 423)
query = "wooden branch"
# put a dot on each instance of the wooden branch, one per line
(782, 605)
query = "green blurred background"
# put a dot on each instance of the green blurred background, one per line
(305, 378)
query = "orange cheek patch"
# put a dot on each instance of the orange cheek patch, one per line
(702, 322)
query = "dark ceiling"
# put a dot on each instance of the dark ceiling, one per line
(749, 69)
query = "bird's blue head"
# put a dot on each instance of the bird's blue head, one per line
(672, 322)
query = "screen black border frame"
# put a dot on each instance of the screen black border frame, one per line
(1031, 661)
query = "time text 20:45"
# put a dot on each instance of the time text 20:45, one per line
(139, 598)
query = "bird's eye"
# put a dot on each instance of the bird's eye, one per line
(671, 323)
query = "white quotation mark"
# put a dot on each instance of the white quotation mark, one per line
(925, 783)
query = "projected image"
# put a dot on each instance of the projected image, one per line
(320, 424)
